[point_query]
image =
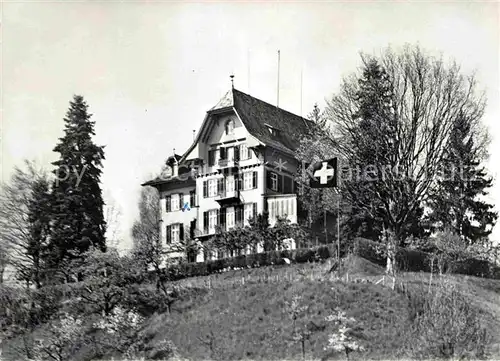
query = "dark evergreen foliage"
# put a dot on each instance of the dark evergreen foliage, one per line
(77, 204)
(39, 231)
(456, 204)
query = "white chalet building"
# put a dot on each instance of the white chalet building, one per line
(240, 164)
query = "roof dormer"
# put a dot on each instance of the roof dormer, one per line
(272, 130)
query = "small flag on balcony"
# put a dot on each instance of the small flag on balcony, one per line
(186, 207)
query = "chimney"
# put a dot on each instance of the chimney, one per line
(175, 167)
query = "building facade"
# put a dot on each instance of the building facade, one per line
(240, 164)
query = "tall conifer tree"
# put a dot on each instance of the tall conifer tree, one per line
(457, 203)
(77, 205)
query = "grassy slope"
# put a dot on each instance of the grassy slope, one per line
(246, 313)
(249, 319)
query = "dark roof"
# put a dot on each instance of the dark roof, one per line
(173, 182)
(171, 160)
(257, 115)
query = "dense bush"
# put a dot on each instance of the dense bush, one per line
(472, 267)
(370, 250)
(412, 260)
(445, 325)
(185, 270)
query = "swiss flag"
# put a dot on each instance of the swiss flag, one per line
(324, 174)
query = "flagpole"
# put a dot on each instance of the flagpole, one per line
(338, 228)
(324, 216)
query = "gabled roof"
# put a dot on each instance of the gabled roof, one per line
(257, 116)
(225, 102)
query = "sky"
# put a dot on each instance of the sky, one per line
(150, 70)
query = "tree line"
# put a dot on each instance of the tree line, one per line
(412, 124)
(47, 220)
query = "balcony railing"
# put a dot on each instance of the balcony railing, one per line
(229, 197)
(228, 194)
(281, 206)
(228, 162)
(225, 227)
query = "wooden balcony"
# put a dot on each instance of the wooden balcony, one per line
(282, 206)
(228, 198)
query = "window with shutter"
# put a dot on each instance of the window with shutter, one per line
(223, 153)
(254, 180)
(274, 181)
(254, 210)
(181, 232)
(192, 198)
(269, 183)
(237, 182)
(168, 203)
(247, 180)
(211, 157)
(243, 151)
(287, 185)
(222, 217)
(220, 185)
(212, 187)
(192, 227)
(212, 220)
(236, 153)
(205, 189)
(175, 231)
(230, 183)
(248, 212)
(169, 234)
(238, 214)
(280, 183)
(175, 202)
(205, 221)
(181, 200)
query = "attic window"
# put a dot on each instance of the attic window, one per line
(272, 130)
(230, 126)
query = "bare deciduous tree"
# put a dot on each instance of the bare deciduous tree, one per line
(18, 229)
(147, 246)
(112, 216)
(427, 96)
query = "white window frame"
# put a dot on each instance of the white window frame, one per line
(244, 152)
(174, 202)
(274, 181)
(175, 232)
(230, 130)
(230, 184)
(212, 187)
(230, 218)
(247, 180)
(212, 220)
(248, 212)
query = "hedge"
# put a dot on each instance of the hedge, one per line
(301, 255)
(411, 260)
(407, 260)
